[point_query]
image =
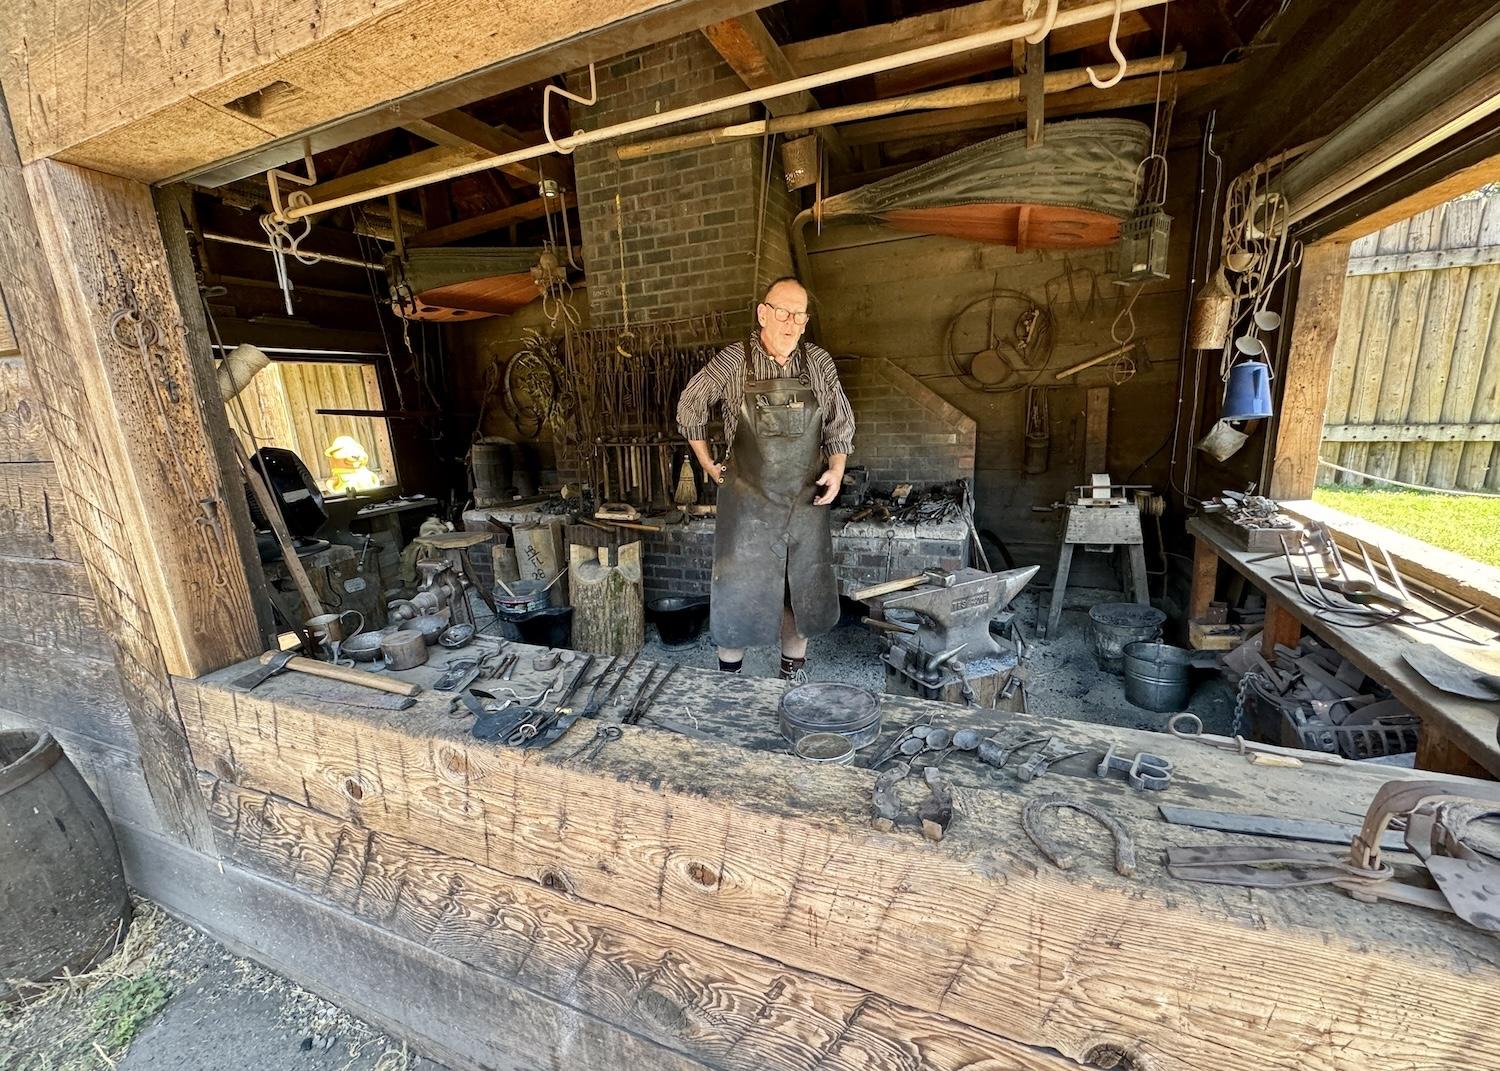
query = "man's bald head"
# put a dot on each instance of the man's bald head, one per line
(784, 290)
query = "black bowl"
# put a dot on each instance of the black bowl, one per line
(679, 618)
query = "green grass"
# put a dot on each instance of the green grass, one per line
(119, 1011)
(1467, 526)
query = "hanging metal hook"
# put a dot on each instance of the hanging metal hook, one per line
(1047, 21)
(589, 101)
(1114, 49)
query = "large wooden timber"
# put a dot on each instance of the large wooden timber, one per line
(152, 92)
(1304, 395)
(736, 908)
(131, 435)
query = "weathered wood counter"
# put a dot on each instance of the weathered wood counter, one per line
(682, 904)
(1458, 734)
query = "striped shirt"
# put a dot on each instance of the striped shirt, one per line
(722, 381)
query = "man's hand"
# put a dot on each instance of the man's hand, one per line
(830, 482)
(717, 472)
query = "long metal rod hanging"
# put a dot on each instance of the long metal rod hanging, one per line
(939, 50)
(252, 243)
(1000, 91)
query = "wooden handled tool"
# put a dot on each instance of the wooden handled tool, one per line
(274, 662)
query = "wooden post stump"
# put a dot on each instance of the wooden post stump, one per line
(609, 614)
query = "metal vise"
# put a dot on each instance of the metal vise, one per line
(958, 613)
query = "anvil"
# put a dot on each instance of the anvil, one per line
(960, 613)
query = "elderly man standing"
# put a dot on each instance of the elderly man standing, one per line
(790, 429)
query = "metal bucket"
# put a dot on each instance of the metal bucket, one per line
(1114, 624)
(524, 597)
(1156, 676)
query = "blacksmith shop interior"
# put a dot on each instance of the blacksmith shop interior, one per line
(362, 417)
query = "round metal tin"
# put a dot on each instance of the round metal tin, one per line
(833, 749)
(830, 707)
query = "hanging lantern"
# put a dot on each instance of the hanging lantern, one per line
(1143, 245)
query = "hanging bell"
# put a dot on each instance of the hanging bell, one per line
(1247, 395)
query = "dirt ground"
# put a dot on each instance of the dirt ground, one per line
(172, 999)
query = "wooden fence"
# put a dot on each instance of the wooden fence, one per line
(1415, 390)
(283, 400)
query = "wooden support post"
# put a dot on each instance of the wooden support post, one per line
(85, 276)
(1280, 628)
(1205, 579)
(1096, 432)
(1034, 89)
(1304, 392)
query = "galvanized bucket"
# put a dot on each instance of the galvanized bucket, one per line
(1156, 676)
(1114, 624)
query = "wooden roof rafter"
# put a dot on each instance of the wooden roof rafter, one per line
(750, 50)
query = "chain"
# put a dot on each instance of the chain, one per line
(1246, 682)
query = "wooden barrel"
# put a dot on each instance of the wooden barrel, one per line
(63, 900)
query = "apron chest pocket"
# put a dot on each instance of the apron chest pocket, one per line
(784, 421)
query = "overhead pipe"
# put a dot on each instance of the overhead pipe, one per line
(939, 50)
(999, 91)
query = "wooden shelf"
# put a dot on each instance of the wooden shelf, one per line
(1448, 721)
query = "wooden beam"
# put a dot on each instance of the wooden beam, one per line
(982, 61)
(1083, 101)
(753, 54)
(489, 221)
(1430, 195)
(576, 953)
(1426, 260)
(869, 42)
(204, 84)
(1304, 392)
(1411, 433)
(140, 469)
(444, 1007)
(757, 854)
(1004, 90)
(459, 130)
(1034, 91)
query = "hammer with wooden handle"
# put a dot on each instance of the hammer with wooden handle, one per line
(274, 662)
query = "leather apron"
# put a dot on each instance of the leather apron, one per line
(770, 540)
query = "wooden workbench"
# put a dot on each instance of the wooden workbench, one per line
(1458, 734)
(685, 904)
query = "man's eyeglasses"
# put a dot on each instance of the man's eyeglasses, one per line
(783, 315)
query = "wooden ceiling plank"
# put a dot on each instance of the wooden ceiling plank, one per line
(853, 46)
(981, 61)
(1201, 28)
(1088, 100)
